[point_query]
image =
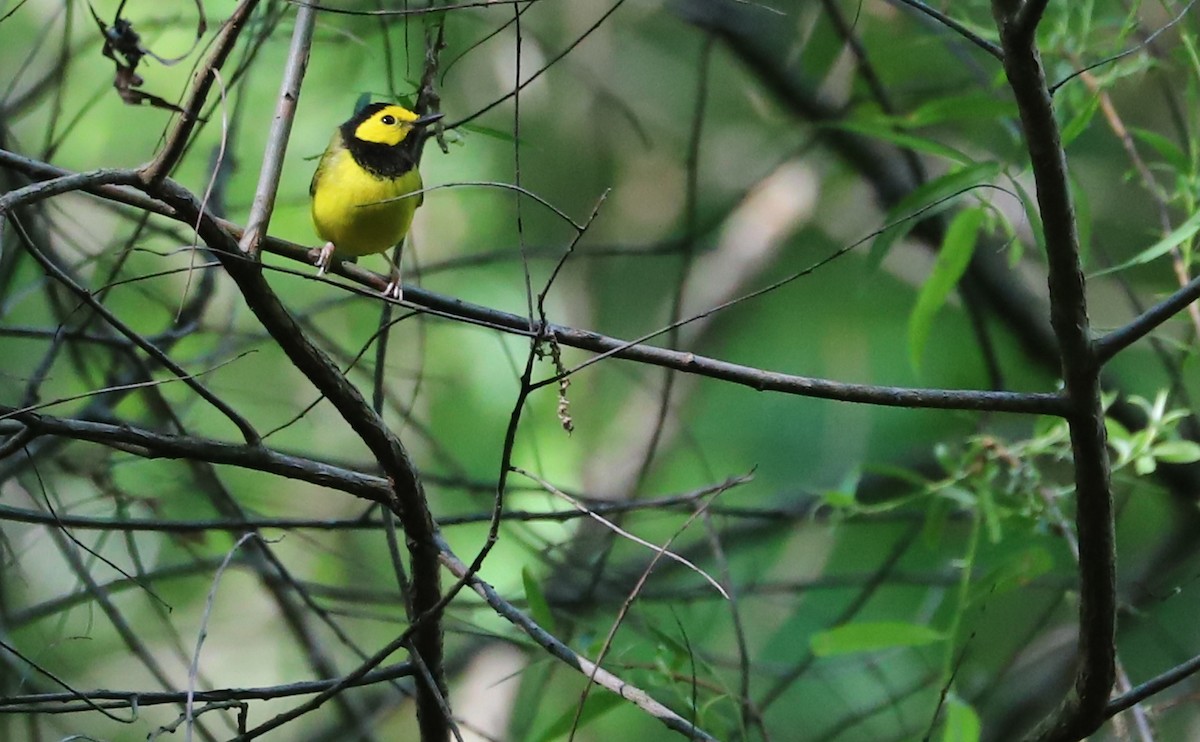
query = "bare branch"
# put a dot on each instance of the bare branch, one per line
(1083, 711)
(60, 703)
(408, 497)
(1153, 686)
(988, 46)
(259, 219)
(636, 350)
(556, 648)
(1114, 342)
(202, 82)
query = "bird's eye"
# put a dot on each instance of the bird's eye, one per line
(388, 120)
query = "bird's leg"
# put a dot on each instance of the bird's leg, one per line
(394, 290)
(324, 258)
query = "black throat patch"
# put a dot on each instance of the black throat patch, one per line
(380, 159)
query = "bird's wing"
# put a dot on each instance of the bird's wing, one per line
(335, 146)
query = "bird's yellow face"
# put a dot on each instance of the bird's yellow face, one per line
(389, 126)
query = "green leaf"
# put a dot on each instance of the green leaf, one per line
(1166, 149)
(937, 513)
(489, 131)
(364, 100)
(951, 263)
(599, 702)
(1083, 219)
(1033, 214)
(870, 637)
(1115, 430)
(934, 197)
(1014, 573)
(990, 513)
(962, 723)
(1181, 234)
(839, 499)
(882, 130)
(960, 108)
(1144, 465)
(539, 607)
(1079, 122)
(961, 496)
(677, 649)
(1177, 452)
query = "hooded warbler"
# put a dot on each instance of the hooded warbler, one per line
(360, 191)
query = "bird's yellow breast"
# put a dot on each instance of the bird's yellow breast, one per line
(351, 206)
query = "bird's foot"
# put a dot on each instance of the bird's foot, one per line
(394, 290)
(324, 258)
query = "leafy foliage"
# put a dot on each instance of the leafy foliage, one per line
(679, 270)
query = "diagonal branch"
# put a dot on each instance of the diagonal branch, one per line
(937, 15)
(547, 641)
(635, 350)
(1145, 323)
(202, 82)
(38, 191)
(407, 499)
(281, 127)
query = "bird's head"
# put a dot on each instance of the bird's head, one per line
(385, 123)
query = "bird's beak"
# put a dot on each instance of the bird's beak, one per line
(427, 119)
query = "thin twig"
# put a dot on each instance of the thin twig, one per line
(259, 220)
(1153, 686)
(172, 150)
(556, 648)
(990, 47)
(1114, 342)
(658, 550)
(54, 271)
(635, 350)
(100, 699)
(202, 633)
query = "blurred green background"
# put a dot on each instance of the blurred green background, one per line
(957, 523)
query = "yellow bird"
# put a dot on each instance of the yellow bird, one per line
(360, 191)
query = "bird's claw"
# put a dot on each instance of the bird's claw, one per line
(324, 259)
(394, 290)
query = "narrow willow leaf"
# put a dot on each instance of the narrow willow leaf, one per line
(1083, 219)
(1166, 149)
(937, 514)
(1014, 573)
(1181, 234)
(951, 263)
(962, 723)
(883, 131)
(489, 131)
(1177, 452)
(930, 199)
(991, 514)
(870, 637)
(1079, 122)
(1032, 214)
(971, 106)
(539, 607)
(599, 702)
